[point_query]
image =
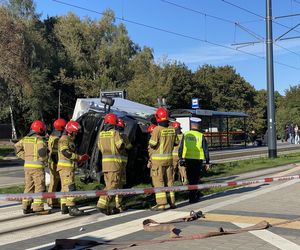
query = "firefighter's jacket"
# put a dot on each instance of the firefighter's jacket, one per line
(162, 142)
(111, 144)
(67, 156)
(175, 150)
(53, 146)
(127, 146)
(33, 150)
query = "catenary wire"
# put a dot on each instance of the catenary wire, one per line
(258, 15)
(174, 33)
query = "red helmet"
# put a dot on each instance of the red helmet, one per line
(72, 127)
(176, 124)
(120, 123)
(111, 119)
(151, 128)
(38, 126)
(59, 124)
(161, 115)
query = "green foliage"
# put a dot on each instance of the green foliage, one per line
(288, 108)
(82, 56)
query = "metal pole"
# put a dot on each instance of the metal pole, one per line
(59, 92)
(13, 128)
(270, 83)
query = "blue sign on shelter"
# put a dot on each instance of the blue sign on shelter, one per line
(195, 103)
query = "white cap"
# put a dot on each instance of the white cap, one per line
(195, 119)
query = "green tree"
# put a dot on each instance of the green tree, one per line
(223, 89)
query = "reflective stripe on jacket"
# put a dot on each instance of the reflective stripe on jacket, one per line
(33, 150)
(192, 145)
(175, 150)
(53, 148)
(69, 157)
(162, 142)
(110, 143)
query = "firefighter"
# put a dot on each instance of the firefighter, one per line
(67, 160)
(111, 144)
(162, 142)
(176, 166)
(33, 150)
(150, 130)
(192, 152)
(124, 153)
(59, 127)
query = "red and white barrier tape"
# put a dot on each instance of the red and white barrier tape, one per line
(134, 191)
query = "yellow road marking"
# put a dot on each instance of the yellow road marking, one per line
(251, 220)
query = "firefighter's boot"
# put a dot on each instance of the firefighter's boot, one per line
(64, 209)
(158, 208)
(74, 211)
(115, 210)
(172, 206)
(104, 211)
(28, 210)
(43, 212)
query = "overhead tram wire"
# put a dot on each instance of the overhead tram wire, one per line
(258, 15)
(214, 17)
(259, 37)
(173, 33)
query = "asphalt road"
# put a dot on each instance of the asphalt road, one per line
(273, 202)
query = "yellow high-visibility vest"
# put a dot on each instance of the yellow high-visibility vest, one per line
(192, 145)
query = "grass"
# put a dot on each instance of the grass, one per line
(216, 171)
(5, 150)
(245, 166)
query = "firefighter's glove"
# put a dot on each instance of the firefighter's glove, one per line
(182, 162)
(149, 165)
(83, 158)
(207, 167)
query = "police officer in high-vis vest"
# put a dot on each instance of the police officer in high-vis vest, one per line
(54, 185)
(33, 149)
(162, 142)
(111, 144)
(67, 161)
(181, 169)
(193, 150)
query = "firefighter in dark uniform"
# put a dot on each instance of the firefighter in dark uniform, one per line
(181, 169)
(68, 159)
(193, 150)
(54, 185)
(162, 142)
(33, 150)
(111, 144)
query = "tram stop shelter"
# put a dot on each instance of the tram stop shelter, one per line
(221, 129)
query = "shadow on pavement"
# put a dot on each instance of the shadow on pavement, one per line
(226, 193)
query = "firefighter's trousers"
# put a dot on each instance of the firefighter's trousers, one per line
(163, 176)
(113, 180)
(67, 178)
(34, 183)
(54, 184)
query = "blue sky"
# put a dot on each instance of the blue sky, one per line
(194, 53)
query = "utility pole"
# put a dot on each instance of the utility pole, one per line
(272, 138)
(59, 92)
